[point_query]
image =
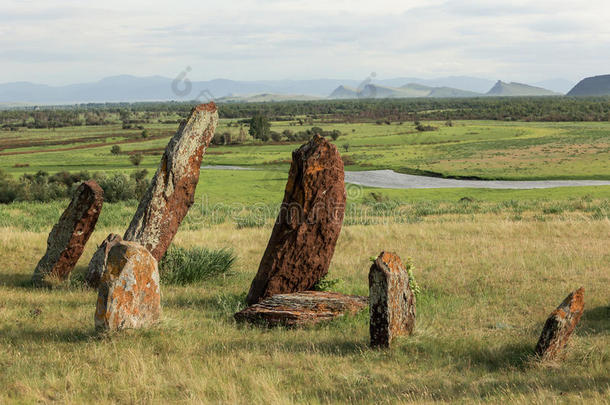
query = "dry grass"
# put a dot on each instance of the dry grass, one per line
(488, 285)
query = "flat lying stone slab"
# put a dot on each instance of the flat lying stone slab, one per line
(302, 308)
(392, 306)
(69, 236)
(560, 325)
(129, 293)
(303, 239)
(172, 189)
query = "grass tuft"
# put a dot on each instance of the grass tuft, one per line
(183, 266)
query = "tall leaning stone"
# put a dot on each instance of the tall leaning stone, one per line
(392, 302)
(560, 325)
(68, 237)
(303, 239)
(129, 293)
(172, 190)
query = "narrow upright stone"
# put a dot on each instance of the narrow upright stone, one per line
(392, 302)
(560, 325)
(172, 190)
(303, 239)
(129, 293)
(68, 237)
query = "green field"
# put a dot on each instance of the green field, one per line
(492, 265)
(483, 149)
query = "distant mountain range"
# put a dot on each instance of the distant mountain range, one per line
(592, 86)
(406, 91)
(502, 89)
(127, 88)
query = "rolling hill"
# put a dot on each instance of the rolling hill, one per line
(502, 89)
(411, 90)
(592, 86)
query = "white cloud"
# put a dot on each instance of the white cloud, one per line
(70, 40)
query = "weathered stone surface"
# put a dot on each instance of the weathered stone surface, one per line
(129, 293)
(302, 308)
(172, 190)
(560, 325)
(98, 261)
(68, 237)
(392, 302)
(303, 239)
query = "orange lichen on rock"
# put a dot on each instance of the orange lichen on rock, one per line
(392, 302)
(303, 239)
(559, 326)
(172, 189)
(69, 236)
(129, 293)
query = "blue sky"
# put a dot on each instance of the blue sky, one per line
(60, 42)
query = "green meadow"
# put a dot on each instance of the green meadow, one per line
(480, 149)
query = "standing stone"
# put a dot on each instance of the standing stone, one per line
(68, 237)
(560, 325)
(392, 302)
(99, 259)
(303, 239)
(172, 190)
(129, 294)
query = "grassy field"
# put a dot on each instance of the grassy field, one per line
(485, 149)
(492, 265)
(488, 285)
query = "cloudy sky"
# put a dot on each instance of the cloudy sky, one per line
(68, 41)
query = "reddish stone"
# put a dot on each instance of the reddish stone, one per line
(560, 325)
(303, 239)
(172, 190)
(392, 302)
(302, 308)
(68, 237)
(129, 293)
(98, 261)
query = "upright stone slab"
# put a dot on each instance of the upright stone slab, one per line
(172, 190)
(560, 325)
(68, 237)
(129, 294)
(303, 239)
(392, 302)
(99, 259)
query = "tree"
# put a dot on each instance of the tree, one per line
(346, 147)
(136, 159)
(260, 128)
(334, 134)
(115, 150)
(144, 134)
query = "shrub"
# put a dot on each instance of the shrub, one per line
(136, 159)
(335, 134)
(327, 284)
(187, 266)
(115, 150)
(424, 128)
(276, 136)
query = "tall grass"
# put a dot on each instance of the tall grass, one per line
(183, 266)
(488, 284)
